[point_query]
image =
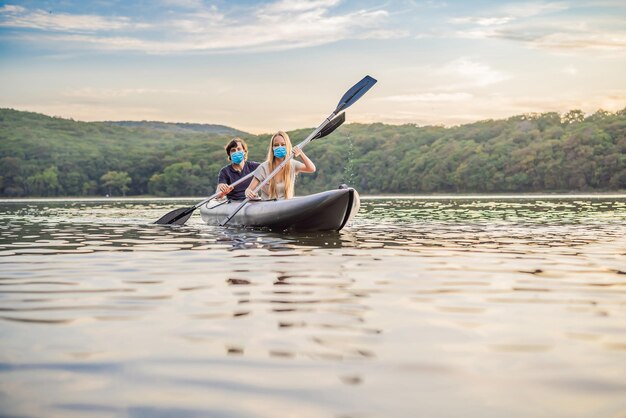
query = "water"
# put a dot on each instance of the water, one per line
(434, 307)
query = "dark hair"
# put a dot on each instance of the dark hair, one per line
(233, 144)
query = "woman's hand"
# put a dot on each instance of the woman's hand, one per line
(309, 167)
(250, 190)
(250, 194)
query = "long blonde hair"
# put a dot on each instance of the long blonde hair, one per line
(285, 174)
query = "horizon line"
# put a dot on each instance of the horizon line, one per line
(441, 125)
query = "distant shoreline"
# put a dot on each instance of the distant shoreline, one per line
(573, 195)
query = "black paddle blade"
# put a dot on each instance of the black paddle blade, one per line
(176, 217)
(355, 93)
(331, 126)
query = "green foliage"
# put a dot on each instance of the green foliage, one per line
(45, 156)
(114, 180)
(181, 127)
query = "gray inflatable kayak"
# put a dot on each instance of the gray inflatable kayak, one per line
(326, 211)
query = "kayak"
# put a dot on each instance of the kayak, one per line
(326, 211)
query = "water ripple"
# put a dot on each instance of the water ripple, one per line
(434, 306)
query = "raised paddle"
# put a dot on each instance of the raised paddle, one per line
(179, 216)
(347, 100)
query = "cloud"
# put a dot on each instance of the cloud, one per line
(570, 70)
(611, 100)
(384, 34)
(510, 13)
(187, 4)
(563, 36)
(530, 9)
(552, 38)
(109, 93)
(20, 17)
(290, 6)
(495, 106)
(277, 26)
(608, 41)
(525, 23)
(110, 43)
(477, 74)
(429, 97)
(483, 21)
(199, 22)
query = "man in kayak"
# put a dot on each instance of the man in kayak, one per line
(237, 152)
(281, 186)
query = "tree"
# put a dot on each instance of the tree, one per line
(116, 180)
(574, 116)
(10, 172)
(43, 156)
(45, 183)
(179, 179)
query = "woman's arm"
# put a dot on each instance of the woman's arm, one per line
(250, 190)
(309, 167)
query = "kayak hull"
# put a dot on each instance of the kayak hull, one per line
(326, 211)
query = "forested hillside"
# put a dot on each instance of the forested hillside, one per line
(180, 127)
(46, 156)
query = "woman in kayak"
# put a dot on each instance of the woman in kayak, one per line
(237, 152)
(281, 186)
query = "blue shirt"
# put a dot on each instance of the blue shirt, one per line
(229, 175)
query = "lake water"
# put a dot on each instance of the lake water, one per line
(423, 307)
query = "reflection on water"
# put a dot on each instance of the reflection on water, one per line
(82, 226)
(423, 307)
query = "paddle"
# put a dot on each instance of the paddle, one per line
(179, 216)
(347, 100)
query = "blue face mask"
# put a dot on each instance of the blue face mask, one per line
(280, 152)
(237, 157)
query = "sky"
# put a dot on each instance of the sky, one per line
(261, 66)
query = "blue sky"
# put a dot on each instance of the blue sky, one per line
(264, 66)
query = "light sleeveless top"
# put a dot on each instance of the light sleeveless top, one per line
(262, 172)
